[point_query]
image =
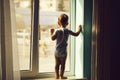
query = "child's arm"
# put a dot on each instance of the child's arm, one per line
(78, 32)
(53, 36)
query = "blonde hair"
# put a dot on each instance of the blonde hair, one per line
(63, 19)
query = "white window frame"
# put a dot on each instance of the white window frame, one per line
(34, 72)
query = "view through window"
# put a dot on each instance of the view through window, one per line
(49, 10)
(23, 29)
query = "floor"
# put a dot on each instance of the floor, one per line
(69, 78)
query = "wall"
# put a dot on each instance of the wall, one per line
(87, 38)
(114, 25)
(102, 22)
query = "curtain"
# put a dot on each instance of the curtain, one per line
(9, 60)
(0, 44)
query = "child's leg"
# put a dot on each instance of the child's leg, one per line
(63, 61)
(57, 64)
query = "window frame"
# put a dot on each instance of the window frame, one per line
(34, 42)
(34, 59)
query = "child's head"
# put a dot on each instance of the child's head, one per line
(63, 20)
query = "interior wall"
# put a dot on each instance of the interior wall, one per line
(88, 7)
(101, 36)
(114, 29)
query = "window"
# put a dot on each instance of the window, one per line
(36, 49)
(23, 29)
(49, 12)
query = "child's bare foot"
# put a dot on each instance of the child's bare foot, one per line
(57, 77)
(63, 77)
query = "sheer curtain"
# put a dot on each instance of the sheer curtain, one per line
(9, 64)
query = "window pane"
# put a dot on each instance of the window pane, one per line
(23, 29)
(49, 12)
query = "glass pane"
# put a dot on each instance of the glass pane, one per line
(49, 12)
(23, 29)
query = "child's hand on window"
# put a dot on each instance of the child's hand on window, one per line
(52, 31)
(80, 28)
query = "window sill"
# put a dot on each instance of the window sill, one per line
(69, 78)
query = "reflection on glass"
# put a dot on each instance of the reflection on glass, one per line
(23, 29)
(49, 12)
